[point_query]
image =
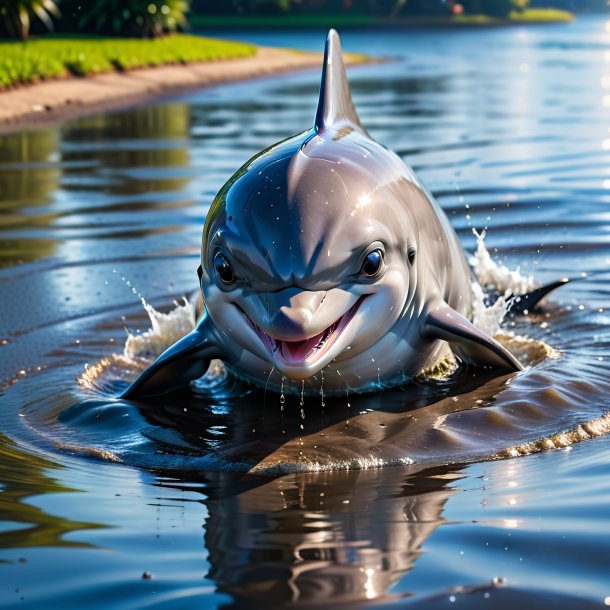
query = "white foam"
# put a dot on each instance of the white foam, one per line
(591, 429)
(369, 462)
(165, 330)
(500, 277)
(488, 318)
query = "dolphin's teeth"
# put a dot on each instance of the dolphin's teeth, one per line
(297, 352)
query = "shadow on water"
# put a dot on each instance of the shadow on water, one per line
(229, 426)
(259, 433)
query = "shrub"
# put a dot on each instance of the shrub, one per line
(143, 18)
(16, 15)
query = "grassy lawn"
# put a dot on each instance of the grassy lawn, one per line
(541, 15)
(58, 56)
(532, 15)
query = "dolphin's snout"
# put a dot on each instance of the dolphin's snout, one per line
(292, 313)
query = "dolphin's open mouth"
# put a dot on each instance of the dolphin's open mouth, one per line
(311, 349)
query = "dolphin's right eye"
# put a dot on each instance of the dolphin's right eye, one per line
(223, 268)
(372, 263)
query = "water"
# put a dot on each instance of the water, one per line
(209, 495)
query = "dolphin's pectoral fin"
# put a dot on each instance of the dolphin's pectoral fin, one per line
(528, 302)
(187, 359)
(467, 341)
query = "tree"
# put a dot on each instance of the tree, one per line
(16, 16)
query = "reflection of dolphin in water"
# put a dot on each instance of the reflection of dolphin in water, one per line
(343, 539)
(325, 255)
(314, 539)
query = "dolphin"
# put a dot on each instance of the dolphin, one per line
(325, 261)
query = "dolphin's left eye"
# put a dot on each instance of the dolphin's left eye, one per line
(223, 268)
(372, 263)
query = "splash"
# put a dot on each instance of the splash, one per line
(591, 429)
(492, 276)
(141, 349)
(165, 330)
(498, 277)
(489, 318)
(369, 462)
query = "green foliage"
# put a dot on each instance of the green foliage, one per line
(56, 56)
(16, 16)
(143, 18)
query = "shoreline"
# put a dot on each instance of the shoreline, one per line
(51, 102)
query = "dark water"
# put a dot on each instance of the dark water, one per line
(510, 129)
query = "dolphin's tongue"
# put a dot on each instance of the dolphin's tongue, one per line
(298, 351)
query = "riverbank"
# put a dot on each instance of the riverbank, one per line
(53, 101)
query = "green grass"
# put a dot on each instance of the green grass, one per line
(531, 15)
(541, 15)
(58, 56)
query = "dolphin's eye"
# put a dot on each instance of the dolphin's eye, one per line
(372, 263)
(411, 256)
(223, 268)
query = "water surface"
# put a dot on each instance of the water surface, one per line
(510, 129)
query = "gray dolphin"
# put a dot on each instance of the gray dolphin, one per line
(324, 260)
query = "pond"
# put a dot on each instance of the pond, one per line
(439, 494)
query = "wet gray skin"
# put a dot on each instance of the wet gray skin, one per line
(324, 253)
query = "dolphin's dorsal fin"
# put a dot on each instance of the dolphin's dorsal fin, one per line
(335, 107)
